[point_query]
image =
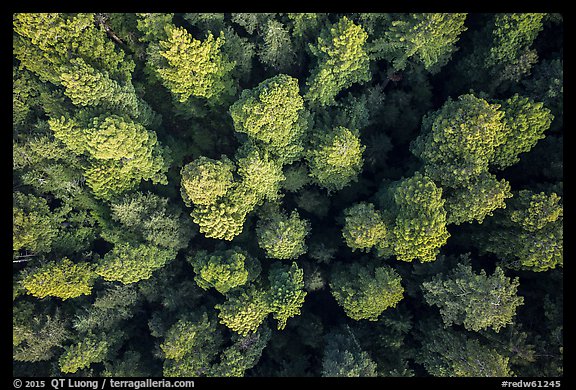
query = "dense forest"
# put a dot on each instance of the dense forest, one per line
(287, 194)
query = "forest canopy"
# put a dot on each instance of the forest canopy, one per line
(287, 194)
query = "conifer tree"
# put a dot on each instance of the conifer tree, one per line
(477, 301)
(366, 291)
(224, 270)
(195, 68)
(273, 115)
(62, 279)
(342, 62)
(244, 310)
(283, 237)
(127, 263)
(343, 356)
(83, 354)
(427, 38)
(364, 227)
(420, 223)
(336, 159)
(286, 292)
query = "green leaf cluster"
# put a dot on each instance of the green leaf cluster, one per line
(365, 291)
(62, 279)
(336, 159)
(342, 61)
(283, 237)
(477, 301)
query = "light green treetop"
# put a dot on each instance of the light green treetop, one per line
(244, 310)
(62, 279)
(420, 225)
(205, 180)
(283, 237)
(512, 34)
(365, 291)
(364, 227)
(480, 199)
(120, 152)
(261, 175)
(46, 42)
(342, 61)
(189, 346)
(273, 114)
(34, 226)
(539, 210)
(526, 121)
(224, 269)
(83, 354)
(195, 68)
(127, 263)
(336, 159)
(459, 140)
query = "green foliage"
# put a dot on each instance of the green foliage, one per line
(447, 353)
(343, 356)
(512, 37)
(223, 220)
(252, 22)
(205, 180)
(195, 68)
(529, 234)
(34, 226)
(364, 227)
(189, 346)
(427, 38)
(36, 337)
(283, 237)
(82, 355)
(153, 26)
(244, 310)
(242, 355)
(62, 279)
(287, 294)
(152, 219)
(336, 159)
(273, 114)
(420, 225)
(46, 42)
(224, 270)
(534, 211)
(295, 178)
(110, 308)
(459, 141)
(478, 200)
(127, 263)
(261, 176)
(342, 62)
(277, 51)
(120, 152)
(476, 301)
(370, 127)
(366, 291)
(527, 121)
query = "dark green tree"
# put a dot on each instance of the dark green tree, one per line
(477, 301)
